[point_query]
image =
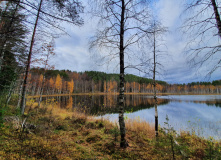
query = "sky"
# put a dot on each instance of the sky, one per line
(72, 52)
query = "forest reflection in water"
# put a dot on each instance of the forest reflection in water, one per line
(103, 104)
(197, 114)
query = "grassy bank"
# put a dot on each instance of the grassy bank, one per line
(54, 133)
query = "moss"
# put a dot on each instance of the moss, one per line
(61, 127)
(93, 138)
(91, 125)
(78, 120)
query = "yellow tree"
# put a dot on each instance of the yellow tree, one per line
(105, 86)
(203, 87)
(71, 86)
(115, 86)
(211, 88)
(179, 88)
(159, 87)
(127, 86)
(134, 85)
(70, 103)
(40, 83)
(110, 88)
(195, 87)
(149, 87)
(40, 79)
(58, 83)
(51, 82)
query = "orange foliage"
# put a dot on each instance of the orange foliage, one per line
(71, 86)
(70, 103)
(149, 87)
(58, 82)
(110, 86)
(105, 86)
(41, 78)
(51, 82)
(127, 87)
(134, 85)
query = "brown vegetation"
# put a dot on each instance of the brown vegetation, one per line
(62, 134)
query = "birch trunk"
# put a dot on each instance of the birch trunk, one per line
(154, 87)
(10, 92)
(19, 97)
(43, 81)
(123, 142)
(41, 90)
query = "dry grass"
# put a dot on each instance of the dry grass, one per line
(57, 111)
(140, 127)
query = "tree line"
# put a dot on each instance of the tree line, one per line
(68, 82)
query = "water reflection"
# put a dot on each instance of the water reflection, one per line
(103, 104)
(197, 114)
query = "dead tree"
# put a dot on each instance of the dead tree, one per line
(29, 61)
(123, 23)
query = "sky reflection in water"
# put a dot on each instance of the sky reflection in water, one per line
(185, 112)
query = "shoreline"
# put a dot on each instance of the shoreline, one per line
(101, 93)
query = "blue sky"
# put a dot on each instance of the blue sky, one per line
(72, 52)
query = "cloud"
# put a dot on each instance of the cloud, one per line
(73, 52)
(169, 12)
(180, 70)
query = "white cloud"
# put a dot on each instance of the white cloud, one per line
(73, 52)
(169, 12)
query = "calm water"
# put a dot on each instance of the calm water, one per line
(200, 114)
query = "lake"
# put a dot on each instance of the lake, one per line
(199, 114)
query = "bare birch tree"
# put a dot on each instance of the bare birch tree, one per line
(154, 52)
(158, 31)
(123, 23)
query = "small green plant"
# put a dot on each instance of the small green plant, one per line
(170, 133)
(210, 149)
(126, 117)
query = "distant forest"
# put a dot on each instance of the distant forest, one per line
(67, 82)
